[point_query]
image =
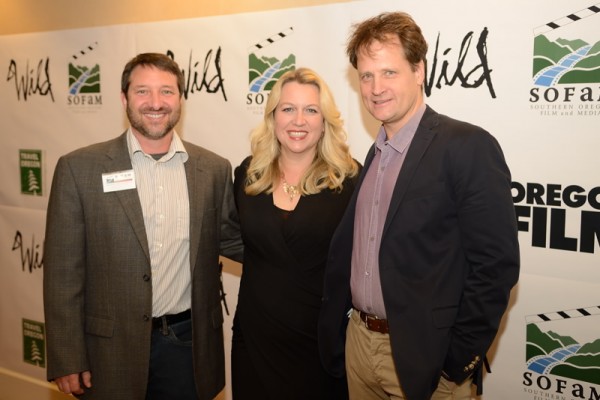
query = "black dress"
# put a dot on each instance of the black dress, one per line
(274, 352)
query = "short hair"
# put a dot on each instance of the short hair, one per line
(332, 163)
(384, 28)
(157, 60)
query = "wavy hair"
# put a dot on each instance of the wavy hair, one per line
(156, 60)
(383, 28)
(332, 163)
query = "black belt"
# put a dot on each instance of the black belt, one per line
(374, 323)
(166, 320)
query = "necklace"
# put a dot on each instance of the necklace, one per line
(290, 190)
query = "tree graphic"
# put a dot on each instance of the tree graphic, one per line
(36, 354)
(32, 182)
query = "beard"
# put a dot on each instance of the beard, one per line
(153, 131)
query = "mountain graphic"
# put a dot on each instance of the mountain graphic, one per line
(83, 79)
(564, 61)
(263, 72)
(555, 354)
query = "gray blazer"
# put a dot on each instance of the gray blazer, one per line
(97, 286)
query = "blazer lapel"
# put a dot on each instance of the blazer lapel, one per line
(194, 175)
(120, 160)
(421, 141)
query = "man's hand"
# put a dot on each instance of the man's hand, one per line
(72, 384)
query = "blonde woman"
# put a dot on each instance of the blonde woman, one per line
(291, 194)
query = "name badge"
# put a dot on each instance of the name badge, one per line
(120, 180)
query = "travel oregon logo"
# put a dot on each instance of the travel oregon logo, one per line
(566, 65)
(84, 81)
(563, 354)
(265, 69)
(30, 166)
(34, 343)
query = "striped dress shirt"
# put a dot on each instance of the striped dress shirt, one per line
(162, 188)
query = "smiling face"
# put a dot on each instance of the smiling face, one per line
(390, 87)
(153, 102)
(298, 119)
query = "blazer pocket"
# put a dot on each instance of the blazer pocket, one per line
(444, 317)
(99, 326)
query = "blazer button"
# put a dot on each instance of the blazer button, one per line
(146, 317)
(146, 277)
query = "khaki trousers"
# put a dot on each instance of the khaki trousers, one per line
(371, 371)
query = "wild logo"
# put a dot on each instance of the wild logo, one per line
(264, 70)
(84, 81)
(563, 354)
(566, 65)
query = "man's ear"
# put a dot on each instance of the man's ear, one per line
(420, 71)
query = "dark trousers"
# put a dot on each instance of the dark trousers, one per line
(171, 373)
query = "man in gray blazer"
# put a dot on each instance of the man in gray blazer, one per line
(135, 226)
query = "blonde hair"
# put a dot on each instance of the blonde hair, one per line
(332, 163)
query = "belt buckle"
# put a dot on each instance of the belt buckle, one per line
(368, 318)
(368, 322)
(373, 322)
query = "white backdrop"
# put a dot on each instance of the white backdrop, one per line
(483, 59)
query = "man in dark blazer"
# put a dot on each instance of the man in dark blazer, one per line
(422, 264)
(135, 226)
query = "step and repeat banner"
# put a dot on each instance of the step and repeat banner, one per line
(529, 72)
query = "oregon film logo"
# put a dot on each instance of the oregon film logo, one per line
(30, 165)
(563, 354)
(34, 343)
(566, 65)
(264, 70)
(558, 216)
(84, 81)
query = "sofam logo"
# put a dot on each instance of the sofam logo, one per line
(566, 60)
(265, 70)
(84, 81)
(563, 354)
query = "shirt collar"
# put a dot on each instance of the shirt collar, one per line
(176, 147)
(404, 136)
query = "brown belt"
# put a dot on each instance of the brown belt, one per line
(373, 323)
